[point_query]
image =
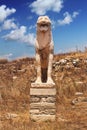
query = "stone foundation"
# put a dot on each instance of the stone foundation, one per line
(42, 102)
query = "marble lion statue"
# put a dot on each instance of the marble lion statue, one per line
(44, 50)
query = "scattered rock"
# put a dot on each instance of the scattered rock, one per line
(57, 63)
(69, 66)
(22, 70)
(78, 100)
(56, 68)
(75, 62)
(78, 93)
(63, 61)
(14, 77)
(67, 62)
(10, 116)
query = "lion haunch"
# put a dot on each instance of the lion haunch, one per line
(44, 50)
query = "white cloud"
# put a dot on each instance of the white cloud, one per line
(68, 18)
(9, 24)
(40, 7)
(75, 14)
(20, 35)
(5, 12)
(16, 34)
(29, 38)
(32, 27)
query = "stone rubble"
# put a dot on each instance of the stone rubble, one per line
(68, 63)
(79, 100)
(78, 93)
(10, 115)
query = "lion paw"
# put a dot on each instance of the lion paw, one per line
(38, 81)
(50, 81)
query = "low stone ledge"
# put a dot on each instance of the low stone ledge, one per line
(43, 117)
(43, 85)
(42, 91)
(42, 105)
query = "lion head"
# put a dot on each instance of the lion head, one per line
(43, 23)
(43, 32)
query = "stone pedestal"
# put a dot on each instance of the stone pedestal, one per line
(42, 102)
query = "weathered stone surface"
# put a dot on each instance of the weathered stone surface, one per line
(43, 85)
(44, 50)
(42, 111)
(42, 105)
(51, 99)
(39, 98)
(43, 91)
(48, 111)
(43, 99)
(34, 99)
(34, 111)
(43, 117)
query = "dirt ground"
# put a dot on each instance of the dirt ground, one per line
(70, 76)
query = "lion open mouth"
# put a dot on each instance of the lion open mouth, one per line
(44, 27)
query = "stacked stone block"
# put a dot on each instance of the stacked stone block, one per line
(42, 102)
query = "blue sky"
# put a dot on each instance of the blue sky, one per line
(18, 25)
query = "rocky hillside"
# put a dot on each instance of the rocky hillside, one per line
(70, 76)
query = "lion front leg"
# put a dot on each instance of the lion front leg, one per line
(38, 65)
(49, 78)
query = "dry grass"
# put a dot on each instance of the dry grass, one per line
(14, 94)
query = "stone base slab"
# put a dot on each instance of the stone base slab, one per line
(42, 117)
(43, 85)
(43, 103)
(42, 91)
